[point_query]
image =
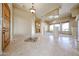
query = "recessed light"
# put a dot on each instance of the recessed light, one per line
(56, 16)
(50, 17)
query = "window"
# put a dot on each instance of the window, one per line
(51, 27)
(57, 26)
(65, 27)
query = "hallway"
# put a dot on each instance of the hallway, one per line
(47, 45)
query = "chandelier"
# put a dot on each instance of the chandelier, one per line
(33, 10)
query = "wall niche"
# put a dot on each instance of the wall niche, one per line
(37, 25)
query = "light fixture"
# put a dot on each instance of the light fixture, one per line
(33, 10)
(51, 17)
(56, 16)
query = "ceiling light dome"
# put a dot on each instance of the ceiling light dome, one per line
(33, 10)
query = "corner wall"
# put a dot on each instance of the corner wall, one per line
(0, 29)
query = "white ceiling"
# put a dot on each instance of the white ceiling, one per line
(65, 7)
(44, 8)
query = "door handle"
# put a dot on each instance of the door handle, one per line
(5, 30)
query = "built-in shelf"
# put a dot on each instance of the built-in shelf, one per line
(37, 25)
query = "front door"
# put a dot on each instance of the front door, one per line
(5, 25)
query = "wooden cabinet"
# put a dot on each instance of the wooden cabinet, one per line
(5, 25)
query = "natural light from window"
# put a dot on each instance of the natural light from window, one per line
(51, 27)
(57, 26)
(65, 27)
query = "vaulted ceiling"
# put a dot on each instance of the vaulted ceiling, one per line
(43, 9)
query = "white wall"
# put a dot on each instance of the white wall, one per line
(77, 19)
(22, 23)
(44, 27)
(33, 26)
(0, 29)
(78, 30)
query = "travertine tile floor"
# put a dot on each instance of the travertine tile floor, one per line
(46, 45)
